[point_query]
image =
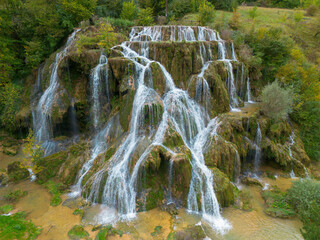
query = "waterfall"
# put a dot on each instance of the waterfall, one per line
(249, 91)
(33, 177)
(42, 113)
(231, 86)
(96, 81)
(99, 146)
(171, 176)
(257, 143)
(73, 119)
(100, 139)
(117, 188)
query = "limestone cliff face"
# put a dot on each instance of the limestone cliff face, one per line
(167, 169)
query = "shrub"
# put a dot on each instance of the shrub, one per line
(227, 5)
(253, 12)
(145, 17)
(206, 13)
(276, 101)
(235, 21)
(9, 105)
(304, 195)
(179, 8)
(297, 16)
(312, 10)
(129, 11)
(120, 24)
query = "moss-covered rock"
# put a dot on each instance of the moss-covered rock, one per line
(78, 232)
(251, 181)
(224, 189)
(17, 172)
(190, 232)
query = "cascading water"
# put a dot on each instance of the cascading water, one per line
(249, 91)
(42, 112)
(100, 140)
(115, 185)
(96, 81)
(257, 143)
(292, 136)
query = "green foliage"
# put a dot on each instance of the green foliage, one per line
(312, 10)
(227, 5)
(253, 13)
(297, 16)
(235, 21)
(77, 232)
(73, 12)
(309, 117)
(15, 195)
(157, 6)
(120, 24)
(129, 11)
(6, 209)
(304, 195)
(145, 17)
(9, 105)
(179, 8)
(276, 101)
(206, 13)
(285, 3)
(33, 153)
(16, 227)
(109, 8)
(277, 203)
(106, 36)
(272, 47)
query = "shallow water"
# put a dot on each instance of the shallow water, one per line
(246, 225)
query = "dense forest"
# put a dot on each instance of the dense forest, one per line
(271, 49)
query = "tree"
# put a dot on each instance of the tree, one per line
(277, 102)
(145, 17)
(129, 11)
(253, 13)
(206, 13)
(33, 153)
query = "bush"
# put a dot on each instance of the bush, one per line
(297, 16)
(277, 102)
(312, 10)
(235, 21)
(179, 8)
(227, 5)
(206, 13)
(129, 11)
(120, 24)
(304, 195)
(253, 12)
(145, 17)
